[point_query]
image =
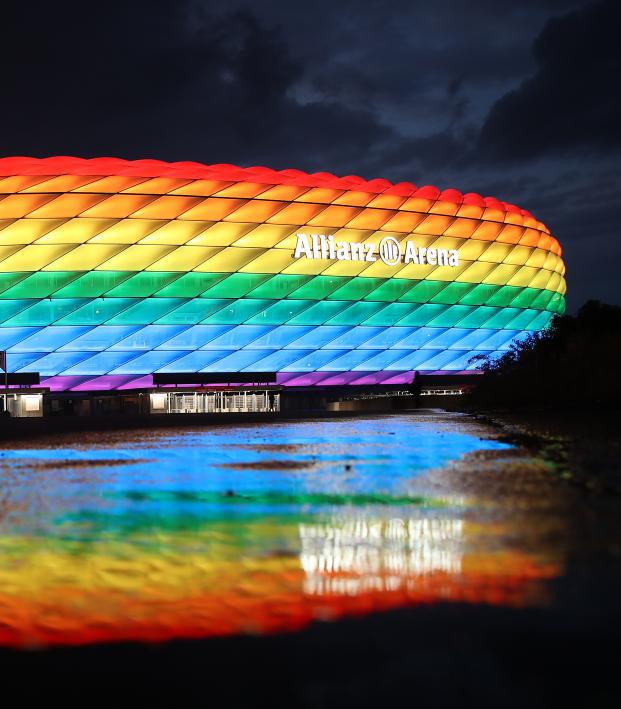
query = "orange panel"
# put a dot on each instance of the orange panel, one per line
(296, 213)
(353, 198)
(544, 242)
(417, 204)
(243, 189)
(62, 183)
(16, 183)
(256, 210)
(213, 209)
(443, 207)
(167, 207)
(320, 194)
(111, 185)
(514, 218)
(335, 216)
(434, 224)
(157, 185)
(284, 193)
(18, 205)
(404, 222)
(530, 237)
(494, 215)
(202, 188)
(66, 205)
(371, 219)
(386, 201)
(487, 231)
(510, 234)
(118, 206)
(462, 227)
(470, 210)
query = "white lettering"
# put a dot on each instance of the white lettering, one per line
(370, 250)
(302, 247)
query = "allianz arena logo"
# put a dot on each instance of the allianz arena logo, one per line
(390, 251)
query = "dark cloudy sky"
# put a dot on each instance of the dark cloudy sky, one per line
(518, 100)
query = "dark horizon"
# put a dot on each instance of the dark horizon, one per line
(519, 105)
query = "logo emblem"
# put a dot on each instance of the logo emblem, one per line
(390, 251)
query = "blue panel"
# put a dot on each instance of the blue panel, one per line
(277, 361)
(459, 362)
(354, 338)
(149, 337)
(236, 361)
(238, 337)
(100, 363)
(99, 338)
(387, 337)
(446, 360)
(151, 362)
(473, 338)
(280, 337)
(15, 362)
(379, 361)
(414, 360)
(500, 339)
(318, 337)
(50, 338)
(194, 337)
(486, 353)
(419, 338)
(10, 336)
(310, 361)
(55, 363)
(194, 361)
(348, 361)
(448, 338)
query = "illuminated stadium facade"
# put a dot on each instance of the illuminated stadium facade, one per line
(112, 271)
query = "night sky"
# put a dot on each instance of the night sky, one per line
(517, 100)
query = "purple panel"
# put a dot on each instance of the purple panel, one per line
(104, 383)
(400, 378)
(139, 383)
(304, 380)
(60, 383)
(340, 378)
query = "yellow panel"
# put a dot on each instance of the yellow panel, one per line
(495, 253)
(213, 209)
(167, 207)
(62, 183)
(66, 205)
(476, 272)
(557, 283)
(283, 193)
(380, 270)
(334, 216)
(25, 231)
(271, 262)
(538, 258)
(295, 213)
(127, 231)
(519, 255)
(136, 258)
(34, 257)
(462, 227)
(243, 189)
(18, 205)
(447, 242)
(308, 266)
(371, 219)
(472, 249)
(404, 222)
(323, 195)
(221, 234)
(83, 258)
(266, 235)
(176, 232)
(386, 201)
(510, 233)
(501, 275)
(541, 279)
(5, 252)
(524, 276)
(415, 271)
(229, 260)
(157, 185)
(434, 224)
(343, 268)
(111, 184)
(256, 210)
(75, 231)
(184, 258)
(202, 188)
(16, 183)
(118, 206)
(448, 273)
(551, 261)
(355, 235)
(354, 198)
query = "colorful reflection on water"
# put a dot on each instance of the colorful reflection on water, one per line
(245, 529)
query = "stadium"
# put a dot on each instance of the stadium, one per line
(132, 276)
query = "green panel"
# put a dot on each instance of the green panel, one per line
(452, 293)
(319, 287)
(236, 285)
(41, 284)
(279, 286)
(356, 289)
(356, 313)
(190, 285)
(10, 279)
(97, 311)
(557, 303)
(480, 294)
(541, 300)
(423, 291)
(280, 312)
(237, 312)
(541, 320)
(391, 289)
(452, 316)
(522, 321)
(143, 284)
(423, 314)
(9, 308)
(193, 311)
(504, 296)
(502, 318)
(391, 314)
(46, 312)
(478, 316)
(319, 312)
(93, 284)
(146, 311)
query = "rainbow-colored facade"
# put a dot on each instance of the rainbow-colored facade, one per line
(112, 270)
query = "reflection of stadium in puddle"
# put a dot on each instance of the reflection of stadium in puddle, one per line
(362, 555)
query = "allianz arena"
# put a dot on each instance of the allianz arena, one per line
(112, 271)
